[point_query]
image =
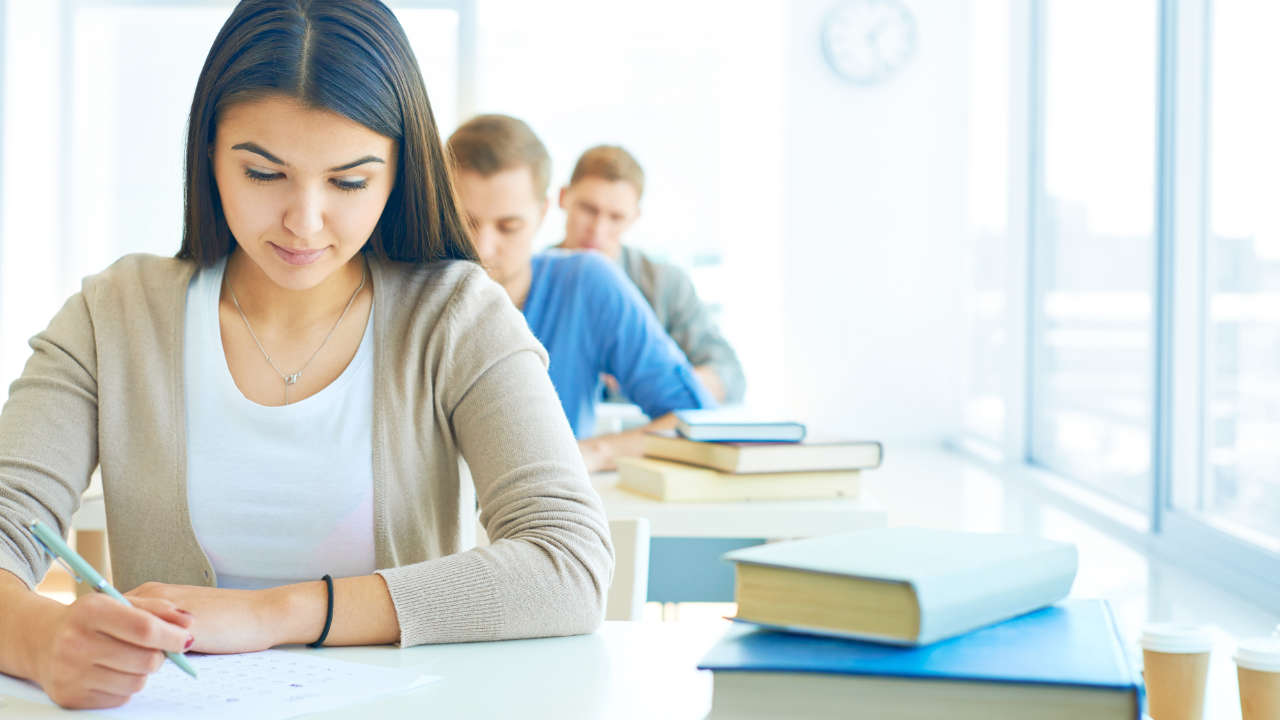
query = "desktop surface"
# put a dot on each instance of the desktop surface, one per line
(624, 670)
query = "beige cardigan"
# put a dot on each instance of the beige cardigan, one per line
(457, 375)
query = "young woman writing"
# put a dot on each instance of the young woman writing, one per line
(291, 396)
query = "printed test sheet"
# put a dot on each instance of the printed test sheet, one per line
(252, 686)
(268, 684)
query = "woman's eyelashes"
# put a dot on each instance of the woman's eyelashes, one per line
(349, 185)
(345, 184)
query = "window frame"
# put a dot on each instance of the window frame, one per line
(1252, 568)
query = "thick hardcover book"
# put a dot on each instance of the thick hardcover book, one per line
(676, 482)
(904, 585)
(1063, 662)
(766, 457)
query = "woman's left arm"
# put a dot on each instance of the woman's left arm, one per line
(230, 621)
(550, 560)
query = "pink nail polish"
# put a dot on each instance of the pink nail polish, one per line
(190, 640)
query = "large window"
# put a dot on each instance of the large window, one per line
(1152, 343)
(1092, 390)
(1240, 486)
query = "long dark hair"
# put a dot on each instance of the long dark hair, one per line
(350, 57)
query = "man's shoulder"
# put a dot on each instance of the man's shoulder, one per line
(564, 258)
(637, 262)
(583, 268)
(660, 281)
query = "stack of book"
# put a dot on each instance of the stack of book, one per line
(915, 624)
(716, 455)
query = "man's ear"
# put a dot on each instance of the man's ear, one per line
(564, 194)
(542, 214)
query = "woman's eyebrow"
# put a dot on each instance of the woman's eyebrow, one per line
(259, 150)
(353, 163)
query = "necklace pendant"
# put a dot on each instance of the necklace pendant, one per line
(292, 379)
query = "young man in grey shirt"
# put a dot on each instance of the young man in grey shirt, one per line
(601, 203)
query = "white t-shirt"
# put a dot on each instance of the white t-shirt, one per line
(277, 494)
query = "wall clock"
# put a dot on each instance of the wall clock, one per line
(868, 41)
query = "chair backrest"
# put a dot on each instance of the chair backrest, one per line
(630, 586)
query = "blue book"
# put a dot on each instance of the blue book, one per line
(1063, 662)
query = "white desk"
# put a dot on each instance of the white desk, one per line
(773, 520)
(624, 670)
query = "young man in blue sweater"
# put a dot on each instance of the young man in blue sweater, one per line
(580, 306)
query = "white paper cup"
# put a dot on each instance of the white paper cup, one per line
(1258, 671)
(1176, 666)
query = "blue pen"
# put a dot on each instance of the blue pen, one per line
(84, 572)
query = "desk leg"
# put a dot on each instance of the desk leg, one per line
(92, 546)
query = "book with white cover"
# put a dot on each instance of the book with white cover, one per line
(736, 424)
(903, 585)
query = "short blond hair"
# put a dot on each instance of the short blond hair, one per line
(611, 163)
(489, 144)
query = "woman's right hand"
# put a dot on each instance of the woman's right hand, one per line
(97, 652)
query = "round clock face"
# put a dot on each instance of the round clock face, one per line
(866, 41)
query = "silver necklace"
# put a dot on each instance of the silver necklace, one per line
(293, 378)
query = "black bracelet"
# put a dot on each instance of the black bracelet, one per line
(328, 615)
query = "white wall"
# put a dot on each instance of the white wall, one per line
(839, 211)
(875, 232)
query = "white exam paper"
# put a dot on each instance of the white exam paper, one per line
(256, 686)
